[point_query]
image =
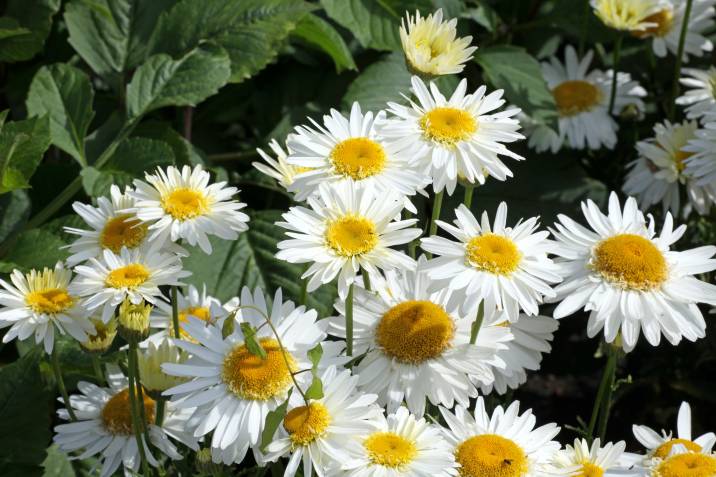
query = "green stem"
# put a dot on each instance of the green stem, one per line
(469, 189)
(134, 405)
(55, 359)
(161, 405)
(679, 55)
(609, 390)
(175, 313)
(349, 322)
(607, 380)
(437, 205)
(366, 280)
(615, 65)
(477, 324)
(99, 375)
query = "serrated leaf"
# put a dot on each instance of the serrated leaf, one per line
(184, 151)
(252, 344)
(513, 69)
(57, 464)
(315, 390)
(251, 31)
(40, 247)
(319, 33)
(22, 146)
(26, 25)
(273, 420)
(65, 94)
(162, 81)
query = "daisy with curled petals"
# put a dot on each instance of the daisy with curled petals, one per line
(594, 461)
(278, 168)
(316, 435)
(183, 205)
(629, 279)
(40, 301)
(198, 305)
(506, 267)
(628, 15)
(347, 228)
(462, 136)
(662, 169)
(417, 344)
(134, 274)
(505, 444)
(582, 99)
(402, 446)
(700, 97)
(349, 150)
(104, 427)
(431, 47)
(233, 389)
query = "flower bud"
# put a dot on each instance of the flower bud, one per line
(103, 336)
(150, 361)
(134, 320)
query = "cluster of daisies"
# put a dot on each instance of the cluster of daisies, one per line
(392, 384)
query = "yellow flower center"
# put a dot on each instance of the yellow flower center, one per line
(631, 261)
(448, 126)
(358, 158)
(129, 276)
(49, 301)
(122, 231)
(116, 414)
(680, 159)
(663, 21)
(490, 455)
(389, 449)
(200, 312)
(590, 470)
(305, 424)
(250, 377)
(351, 235)
(664, 449)
(415, 331)
(184, 203)
(576, 96)
(103, 336)
(688, 465)
(493, 253)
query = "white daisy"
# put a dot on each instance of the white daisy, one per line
(628, 15)
(183, 205)
(457, 137)
(402, 446)
(198, 305)
(682, 463)
(594, 460)
(232, 389)
(506, 267)
(348, 228)
(134, 274)
(661, 170)
(431, 47)
(628, 278)
(701, 163)
(417, 344)
(505, 444)
(582, 99)
(317, 434)
(278, 168)
(38, 302)
(349, 150)
(700, 98)
(104, 428)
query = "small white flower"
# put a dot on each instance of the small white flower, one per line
(278, 168)
(594, 460)
(701, 163)
(198, 305)
(629, 15)
(699, 99)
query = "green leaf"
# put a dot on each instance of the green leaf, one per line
(485, 16)
(65, 94)
(184, 151)
(162, 81)
(25, 27)
(57, 464)
(250, 261)
(15, 209)
(315, 354)
(252, 344)
(112, 36)
(273, 420)
(382, 81)
(36, 248)
(22, 146)
(513, 69)
(315, 390)
(251, 31)
(319, 33)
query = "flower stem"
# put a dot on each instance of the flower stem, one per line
(602, 402)
(607, 401)
(469, 189)
(366, 281)
(615, 65)
(134, 405)
(437, 205)
(97, 370)
(679, 58)
(55, 359)
(175, 313)
(349, 322)
(477, 324)
(161, 405)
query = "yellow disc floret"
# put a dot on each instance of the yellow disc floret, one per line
(49, 301)
(390, 450)
(630, 261)
(201, 312)
(415, 331)
(490, 455)
(358, 158)
(249, 376)
(664, 449)
(663, 22)
(184, 203)
(305, 424)
(351, 235)
(576, 96)
(448, 126)
(122, 231)
(117, 417)
(493, 253)
(590, 470)
(129, 276)
(691, 464)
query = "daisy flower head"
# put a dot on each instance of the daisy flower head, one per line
(136, 275)
(682, 463)
(402, 446)
(348, 150)
(507, 268)
(316, 434)
(194, 304)
(232, 388)
(629, 15)
(38, 302)
(278, 168)
(628, 277)
(181, 204)
(661, 171)
(150, 361)
(347, 228)
(701, 163)
(462, 136)
(431, 45)
(101, 337)
(582, 98)
(700, 97)
(417, 343)
(504, 444)
(592, 461)
(104, 427)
